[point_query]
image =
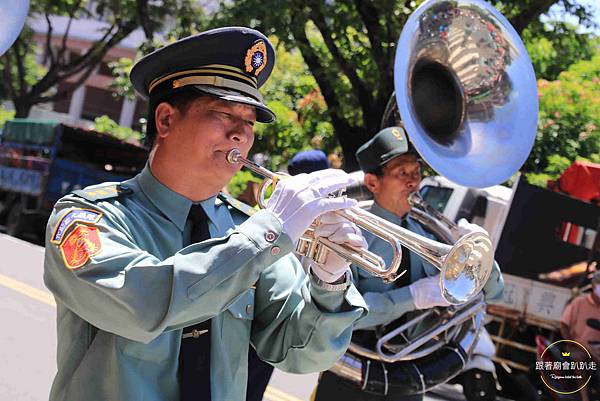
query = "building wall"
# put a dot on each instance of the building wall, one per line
(95, 97)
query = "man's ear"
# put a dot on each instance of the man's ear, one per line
(372, 182)
(163, 119)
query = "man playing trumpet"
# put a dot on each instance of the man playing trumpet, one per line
(163, 285)
(392, 172)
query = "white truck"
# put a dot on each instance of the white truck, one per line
(486, 207)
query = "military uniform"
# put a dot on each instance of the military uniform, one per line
(128, 278)
(121, 314)
(389, 302)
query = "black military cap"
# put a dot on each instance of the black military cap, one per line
(230, 63)
(389, 143)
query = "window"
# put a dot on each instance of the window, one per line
(437, 197)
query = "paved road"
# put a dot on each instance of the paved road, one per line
(28, 337)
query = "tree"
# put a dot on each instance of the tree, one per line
(300, 111)
(556, 45)
(569, 119)
(26, 83)
(349, 48)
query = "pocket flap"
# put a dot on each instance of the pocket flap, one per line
(243, 307)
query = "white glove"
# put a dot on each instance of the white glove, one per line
(464, 227)
(297, 201)
(341, 231)
(426, 293)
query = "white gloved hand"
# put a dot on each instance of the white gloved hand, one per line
(341, 231)
(426, 293)
(297, 201)
(464, 227)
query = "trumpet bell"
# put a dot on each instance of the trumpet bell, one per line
(466, 268)
(466, 91)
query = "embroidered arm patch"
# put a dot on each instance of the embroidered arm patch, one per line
(74, 216)
(80, 245)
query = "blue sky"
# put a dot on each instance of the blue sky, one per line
(557, 12)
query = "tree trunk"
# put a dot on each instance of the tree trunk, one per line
(350, 140)
(22, 108)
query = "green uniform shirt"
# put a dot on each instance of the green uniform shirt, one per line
(126, 286)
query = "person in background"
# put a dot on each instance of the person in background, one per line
(574, 325)
(308, 161)
(392, 172)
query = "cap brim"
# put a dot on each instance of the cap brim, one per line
(263, 113)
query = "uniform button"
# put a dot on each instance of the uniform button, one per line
(275, 250)
(270, 236)
(248, 309)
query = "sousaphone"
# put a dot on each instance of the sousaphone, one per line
(466, 93)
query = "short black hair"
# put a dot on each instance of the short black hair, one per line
(181, 100)
(378, 171)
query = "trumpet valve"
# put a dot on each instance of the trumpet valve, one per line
(309, 246)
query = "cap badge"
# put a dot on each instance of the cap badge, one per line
(256, 58)
(397, 134)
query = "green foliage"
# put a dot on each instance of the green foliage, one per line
(240, 180)
(5, 115)
(121, 84)
(555, 46)
(569, 119)
(106, 125)
(32, 71)
(302, 120)
(190, 19)
(555, 167)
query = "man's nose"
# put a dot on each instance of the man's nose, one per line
(413, 182)
(240, 132)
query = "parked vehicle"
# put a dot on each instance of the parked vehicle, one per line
(42, 161)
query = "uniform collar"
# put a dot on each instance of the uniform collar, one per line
(175, 206)
(377, 210)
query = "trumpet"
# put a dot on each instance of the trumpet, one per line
(442, 227)
(464, 267)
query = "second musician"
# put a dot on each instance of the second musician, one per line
(392, 172)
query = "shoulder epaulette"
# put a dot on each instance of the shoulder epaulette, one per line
(236, 204)
(104, 192)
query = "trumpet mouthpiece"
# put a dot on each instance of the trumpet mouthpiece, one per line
(233, 156)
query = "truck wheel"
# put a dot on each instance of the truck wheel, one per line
(14, 220)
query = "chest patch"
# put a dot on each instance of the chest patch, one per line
(80, 245)
(74, 216)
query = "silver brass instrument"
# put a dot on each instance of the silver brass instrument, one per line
(441, 226)
(466, 93)
(465, 266)
(315, 248)
(13, 19)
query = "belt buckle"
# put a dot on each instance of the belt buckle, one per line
(194, 333)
